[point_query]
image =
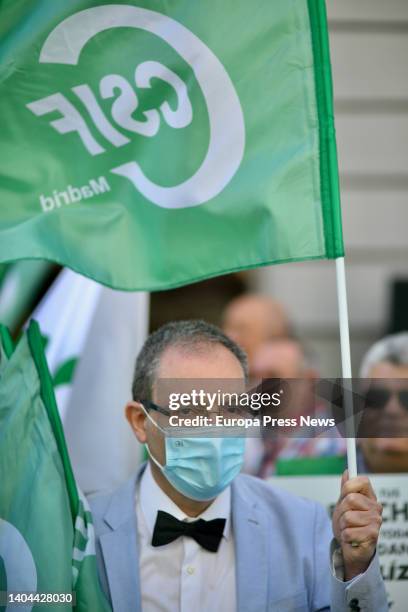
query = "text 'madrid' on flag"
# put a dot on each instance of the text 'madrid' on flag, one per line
(47, 542)
(148, 144)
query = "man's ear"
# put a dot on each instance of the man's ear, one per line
(136, 417)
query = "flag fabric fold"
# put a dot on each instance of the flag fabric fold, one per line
(21, 284)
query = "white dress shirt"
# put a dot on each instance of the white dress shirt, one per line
(182, 576)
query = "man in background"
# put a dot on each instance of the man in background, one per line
(287, 359)
(386, 404)
(252, 319)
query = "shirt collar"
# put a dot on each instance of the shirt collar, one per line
(152, 499)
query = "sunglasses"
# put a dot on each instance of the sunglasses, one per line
(377, 398)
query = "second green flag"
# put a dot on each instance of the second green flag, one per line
(47, 543)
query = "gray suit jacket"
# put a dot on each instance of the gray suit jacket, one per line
(282, 545)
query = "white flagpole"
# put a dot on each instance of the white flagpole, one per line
(346, 365)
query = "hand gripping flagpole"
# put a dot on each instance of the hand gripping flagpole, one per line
(346, 366)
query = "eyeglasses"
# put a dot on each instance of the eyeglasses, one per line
(239, 411)
(377, 398)
(152, 406)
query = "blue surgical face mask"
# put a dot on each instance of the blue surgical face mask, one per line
(200, 468)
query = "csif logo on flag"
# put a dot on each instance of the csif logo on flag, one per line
(226, 140)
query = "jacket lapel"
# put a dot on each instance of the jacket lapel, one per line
(251, 552)
(120, 550)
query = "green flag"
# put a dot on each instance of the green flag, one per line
(150, 144)
(46, 533)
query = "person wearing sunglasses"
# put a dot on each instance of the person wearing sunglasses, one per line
(385, 403)
(190, 533)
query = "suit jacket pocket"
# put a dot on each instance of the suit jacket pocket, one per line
(292, 603)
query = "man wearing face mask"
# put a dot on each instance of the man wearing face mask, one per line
(188, 533)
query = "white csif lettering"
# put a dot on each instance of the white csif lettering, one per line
(70, 120)
(72, 194)
(123, 106)
(226, 129)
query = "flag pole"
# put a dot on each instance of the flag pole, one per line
(346, 365)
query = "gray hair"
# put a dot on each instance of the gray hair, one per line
(184, 334)
(391, 349)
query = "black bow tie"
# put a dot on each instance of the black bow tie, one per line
(206, 533)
